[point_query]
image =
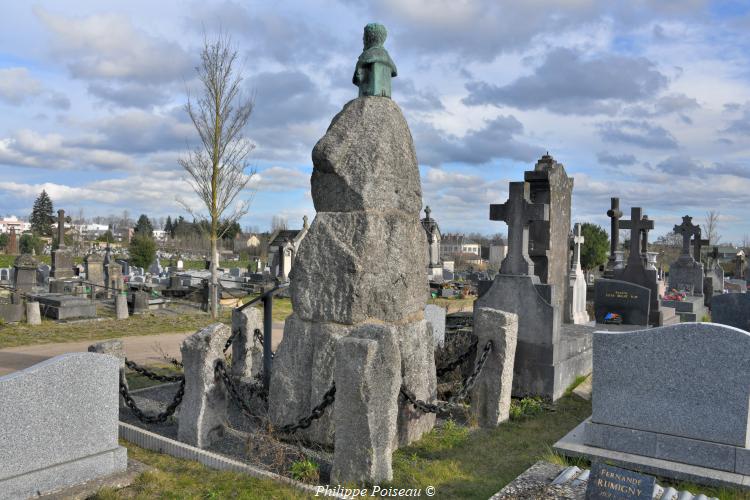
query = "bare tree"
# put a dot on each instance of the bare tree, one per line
(217, 166)
(278, 222)
(711, 227)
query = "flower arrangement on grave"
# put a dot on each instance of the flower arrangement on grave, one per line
(675, 294)
(613, 319)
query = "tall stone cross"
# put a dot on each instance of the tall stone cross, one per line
(578, 240)
(644, 234)
(698, 244)
(687, 229)
(518, 212)
(636, 224)
(427, 212)
(61, 228)
(614, 214)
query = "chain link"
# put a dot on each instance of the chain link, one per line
(153, 376)
(230, 339)
(151, 419)
(328, 398)
(442, 406)
(221, 371)
(449, 367)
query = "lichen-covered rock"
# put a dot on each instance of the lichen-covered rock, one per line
(366, 161)
(356, 266)
(416, 345)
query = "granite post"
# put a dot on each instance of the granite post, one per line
(121, 306)
(33, 315)
(247, 350)
(203, 412)
(490, 397)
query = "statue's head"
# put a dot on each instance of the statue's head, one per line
(374, 36)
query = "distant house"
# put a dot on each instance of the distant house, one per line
(456, 245)
(727, 253)
(159, 234)
(15, 222)
(244, 241)
(283, 247)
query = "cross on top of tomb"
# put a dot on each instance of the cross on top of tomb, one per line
(698, 243)
(687, 229)
(578, 240)
(518, 212)
(636, 224)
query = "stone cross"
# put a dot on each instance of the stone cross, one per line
(578, 240)
(687, 229)
(518, 212)
(427, 212)
(61, 228)
(636, 224)
(644, 234)
(698, 244)
(304, 222)
(614, 214)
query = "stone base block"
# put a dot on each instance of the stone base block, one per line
(63, 286)
(11, 313)
(574, 444)
(54, 478)
(59, 306)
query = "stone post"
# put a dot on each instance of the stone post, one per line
(204, 406)
(33, 315)
(247, 351)
(366, 407)
(121, 306)
(114, 348)
(490, 397)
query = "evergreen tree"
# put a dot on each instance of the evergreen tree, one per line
(168, 227)
(42, 215)
(142, 250)
(144, 227)
(595, 248)
(31, 243)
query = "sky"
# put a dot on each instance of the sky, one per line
(647, 100)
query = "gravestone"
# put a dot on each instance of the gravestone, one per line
(732, 309)
(367, 193)
(548, 357)
(607, 482)
(632, 302)
(94, 265)
(614, 215)
(62, 258)
(686, 273)
(62, 306)
(25, 273)
(140, 302)
(549, 184)
(5, 274)
(677, 393)
(575, 298)
(42, 274)
(59, 425)
(636, 271)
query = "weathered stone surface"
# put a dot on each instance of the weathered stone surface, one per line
(366, 161)
(58, 424)
(24, 278)
(356, 266)
(732, 309)
(11, 313)
(121, 306)
(688, 380)
(204, 406)
(33, 314)
(366, 406)
(435, 317)
(94, 264)
(302, 373)
(60, 306)
(140, 301)
(418, 375)
(687, 275)
(247, 351)
(490, 397)
(62, 264)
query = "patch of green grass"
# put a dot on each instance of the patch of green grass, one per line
(184, 479)
(138, 381)
(306, 471)
(484, 460)
(526, 407)
(578, 381)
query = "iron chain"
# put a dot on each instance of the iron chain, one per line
(153, 376)
(221, 371)
(151, 419)
(230, 339)
(442, 406)
(328, 398)
(458, 361)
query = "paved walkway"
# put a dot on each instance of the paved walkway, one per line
(145, 349)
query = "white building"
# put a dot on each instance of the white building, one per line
(13, 221)
(282, 249)
(497, 254)
(451, 246)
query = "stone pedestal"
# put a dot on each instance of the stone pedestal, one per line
(121, 306)
(94, 265)
(204, 406)
(60, 306)
(62, 263)
(140, 302)
(363, 261)
(24, 278)
(685, 274)
(33, 315)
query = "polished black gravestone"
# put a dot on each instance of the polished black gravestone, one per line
(731, 309)
(609, 482)
(631, 301)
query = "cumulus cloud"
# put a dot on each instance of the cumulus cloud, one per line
(279, 179)
(17, 85)
(615, 159)
(497, 139)
(637, 133)
(568, 83)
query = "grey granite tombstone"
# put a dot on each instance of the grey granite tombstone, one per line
(11, 313)
(62, 306)
(33, 314)
(686, 273)
(58, 425)
(490, 396)
(140, 301)
(94, 264)
(631, 301)
(204, 406)
(435, 316)
(732, 309)
(25, 266)
(677, 393)
(62, 258)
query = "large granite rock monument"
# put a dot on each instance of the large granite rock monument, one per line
(362, 265)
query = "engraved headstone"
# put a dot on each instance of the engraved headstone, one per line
(629, 301)
(607, 482)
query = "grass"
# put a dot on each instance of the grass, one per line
(173, 478)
